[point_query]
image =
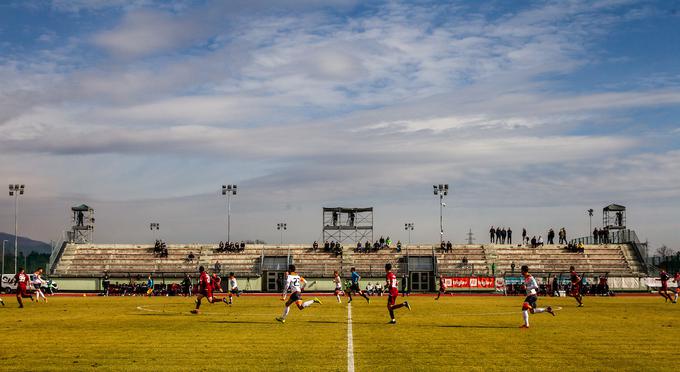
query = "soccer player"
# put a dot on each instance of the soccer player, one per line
(355, 288)
(442, 286)
(338, 286)
(296, 284)
(37, 283)
(575, 286)
(663, 291)
(204, 289)
(22, 281)
(676, 279)
(233, 288)
(392, 287)
(149, 285)
(530, 301)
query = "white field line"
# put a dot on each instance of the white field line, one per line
(350, 340)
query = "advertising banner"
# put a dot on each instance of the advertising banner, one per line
(470, 282)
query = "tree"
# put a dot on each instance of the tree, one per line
(664, 251)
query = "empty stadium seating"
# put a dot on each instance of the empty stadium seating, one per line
(87, 260)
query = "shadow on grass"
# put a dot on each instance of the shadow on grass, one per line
(326, 322)
(476, 326)
(243, 322)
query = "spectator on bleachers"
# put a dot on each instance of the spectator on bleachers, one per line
(555, 287)
(596, 235)
(512, 267)
(378, 289)
(367, 246)
(563, 236)
(498, 235)
(338, 249)
(533, 242)
(220, 246)
(492, 235)
(503, 235)
(388, 242)
(326, 246)
(442, 245)
(186, 285)
(509, 232)
(449, 246)
(358, 248)
(551, 236)
(464, 261)
(581, 248)
(190, 257)
(333, 246)
(105, 284)
(524, 235)
(539, 242)
(218, 267)
(376, 246)
(398, 245)
(315, 246)
(369, 289)
(405, 287)
(382, 241)
(242, 246)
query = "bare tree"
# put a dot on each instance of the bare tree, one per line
(664, 251)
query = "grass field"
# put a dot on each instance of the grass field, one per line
(454, 333)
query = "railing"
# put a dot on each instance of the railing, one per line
(621, 237)
(56, 254)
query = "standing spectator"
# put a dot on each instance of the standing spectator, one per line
(81, 217)
(524, 235)
(186, 285)
(449, 246)
(493, 269)
(398, 245)
(492, 234)
(564, 235)
(405, 289)
(551, 236)
(315, 246)
(498, 235)
(191, 257)
(533, 242)
(512, 267)
(326, 246)
(555, 287)
(388, 242)
(509, 235)
(596, 234)
(106, 283)
(218, 267)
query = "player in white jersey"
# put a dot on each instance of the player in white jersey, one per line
(37, 283)
(338, 286)
(530, 301)
(233, 288)
(295, 284)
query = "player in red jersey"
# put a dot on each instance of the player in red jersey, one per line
(216, 283)
(22, 279)
(204, 289)
(575, 286)
(676, 279)
(393, 293)
(442, 286)
(663, 291)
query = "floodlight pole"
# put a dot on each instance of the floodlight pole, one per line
(441, 190)
(16, 190)
(281, 226)
(590, 216)
(409, 227)
(3, 263)
(229, 190)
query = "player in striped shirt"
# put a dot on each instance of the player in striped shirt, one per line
(295, 284)
(530, 301)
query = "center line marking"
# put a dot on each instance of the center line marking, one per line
(350, 340)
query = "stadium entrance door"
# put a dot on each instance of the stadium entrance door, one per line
(274, 281)
(421, 280)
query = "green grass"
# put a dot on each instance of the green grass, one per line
(454, 333)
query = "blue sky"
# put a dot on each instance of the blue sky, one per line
(533, 114)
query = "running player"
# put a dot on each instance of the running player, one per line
(216, 283)
(442, 286)
(392, 287)
(530, 301)
(355, 288)
(37, 283)
(338, 286)
(676, 279)
(233, 288)
(149, 285)
(296, 284)
(204, 289)
(663, 291)
(575, 286)
(22, 281)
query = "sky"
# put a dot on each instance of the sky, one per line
(532, 112)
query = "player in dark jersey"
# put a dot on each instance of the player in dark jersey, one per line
(663, 291)
(22, 279)
(442, 286)
(393, 290)
(355, 287)
(575, 291)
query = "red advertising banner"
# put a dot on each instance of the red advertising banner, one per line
(470, 282)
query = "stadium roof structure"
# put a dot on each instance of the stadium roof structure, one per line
(81, 208)
(614, 208)
(347, 210)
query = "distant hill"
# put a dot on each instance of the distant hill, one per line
(26, 245)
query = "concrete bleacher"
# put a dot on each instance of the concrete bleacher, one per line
(608, 258)
(91, 260)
